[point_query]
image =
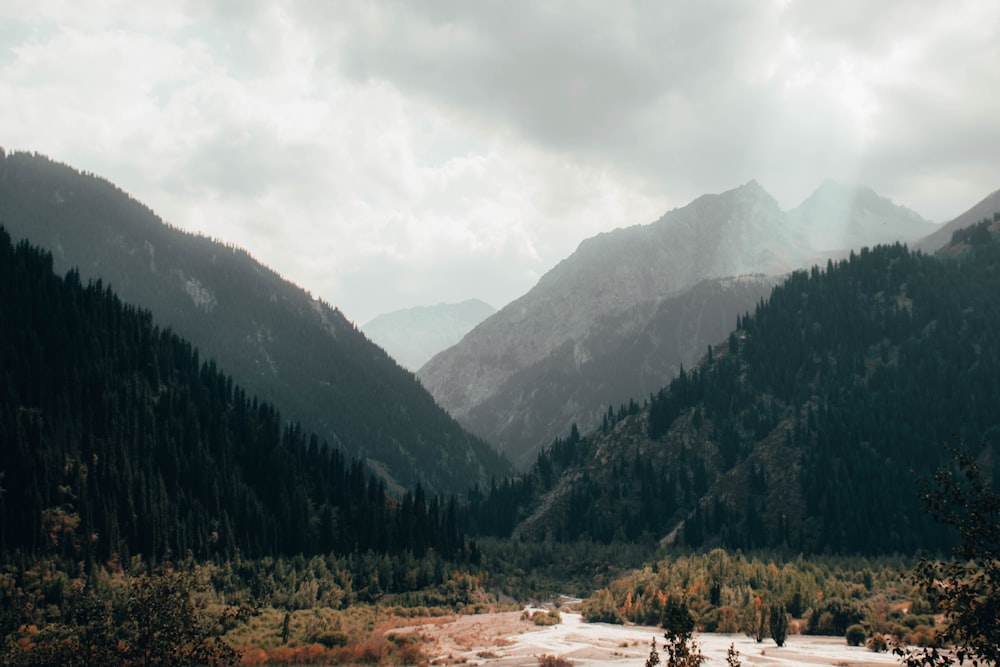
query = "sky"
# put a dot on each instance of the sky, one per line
(388, 154)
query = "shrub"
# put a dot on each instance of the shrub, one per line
(550, 617)
(601, 608)
(877, 643)
(924, 636)
(332, 639)
(856, 635)
(546, 660)
(733, 657)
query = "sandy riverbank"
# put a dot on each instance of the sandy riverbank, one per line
(504, 639)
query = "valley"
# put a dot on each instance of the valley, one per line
(739, 444)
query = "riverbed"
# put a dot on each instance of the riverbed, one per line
(506, 638)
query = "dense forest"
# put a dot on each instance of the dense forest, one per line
(809, 430)
(116, 439)
(130, 463)
(278, 343)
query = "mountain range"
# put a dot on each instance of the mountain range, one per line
(277, 341)
(805, 427)
(811, 429)
(552, 357)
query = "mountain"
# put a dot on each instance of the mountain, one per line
(278, 342)
(810, 430)
(504, 380)
(116, 440)
(413, 335)
(987, 208)
(836, 218)
(625, 355)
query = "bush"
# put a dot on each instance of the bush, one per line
(550, 617)
(856, 635)
(150, 616)
(601, 608)
(545, 660)
(877, 643)
(924, 636)
(833, 617)
(332, 639)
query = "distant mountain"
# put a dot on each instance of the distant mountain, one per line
(809, 430)
(413, 335)
(838, 217)
(501, 380)
(117, 440)
(622, 356)
(987, 208)
(277, 341)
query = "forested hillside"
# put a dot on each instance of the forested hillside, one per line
(278, 342)
(617, 318)
(118, 439)
(809, 430)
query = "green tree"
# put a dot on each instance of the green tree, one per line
(148, 619)
(778, 620)
(966, 589)
(681, 649)
(654, 657)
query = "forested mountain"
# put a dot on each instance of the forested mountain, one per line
(631, 353)
(808, 430)
(279, 343)
(413, 335)
(117, 439)
(630, 278)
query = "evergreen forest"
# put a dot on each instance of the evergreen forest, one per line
(119, 440)
(278, 342)
(786, 468)
(809, 430)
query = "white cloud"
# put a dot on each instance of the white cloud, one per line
(390, 154)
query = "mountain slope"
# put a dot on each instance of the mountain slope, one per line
(500, 380)
(413, 335)
(986, 208)
(809, 430)
(277, 341)
(115, 440)
(622, 356)
(837, 217)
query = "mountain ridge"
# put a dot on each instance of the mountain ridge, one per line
(277, 341)
(742, 231)
(808, 431)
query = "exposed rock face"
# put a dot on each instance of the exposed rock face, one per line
(414, 335)
(617, 318)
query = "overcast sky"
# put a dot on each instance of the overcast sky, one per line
(391, 154)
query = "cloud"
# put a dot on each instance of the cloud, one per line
(390, 154)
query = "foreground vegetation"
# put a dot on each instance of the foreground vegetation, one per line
(300, 611)
(294, 611)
